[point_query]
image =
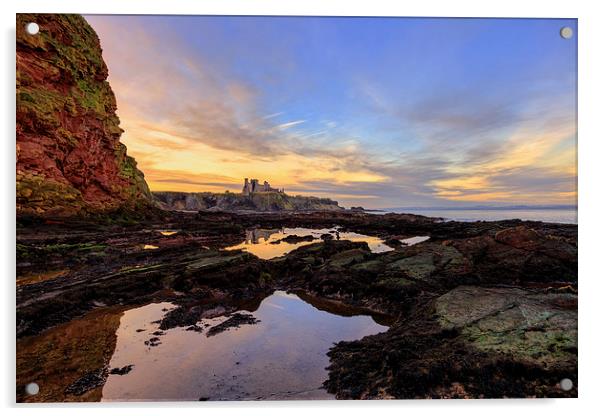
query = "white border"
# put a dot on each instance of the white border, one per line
(590, 68)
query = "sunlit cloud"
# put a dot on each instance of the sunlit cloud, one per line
(198, 120)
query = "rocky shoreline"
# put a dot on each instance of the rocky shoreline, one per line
(485, 309)
(236, 202)
(480, 309)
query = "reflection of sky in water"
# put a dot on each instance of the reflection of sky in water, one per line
(259, 241)
(415, 240)
(282, 357)
(168, 232)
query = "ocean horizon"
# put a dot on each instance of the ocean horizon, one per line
(563, 215)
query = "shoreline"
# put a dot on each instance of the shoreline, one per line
(180, 258)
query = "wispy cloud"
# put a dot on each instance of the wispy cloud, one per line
(196, 123)
(285, 126)
(269, 116)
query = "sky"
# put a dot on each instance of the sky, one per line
(376, 112)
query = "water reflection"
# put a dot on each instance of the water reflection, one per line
(268, 243)
(281, 357)
(415, 240)
(40, 276)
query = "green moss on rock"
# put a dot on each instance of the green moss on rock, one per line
(69, 158)
(533, 327)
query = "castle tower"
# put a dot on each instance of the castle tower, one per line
(245, 188)
(254, 185)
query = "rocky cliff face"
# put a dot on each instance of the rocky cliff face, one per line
(260, 202)
(69, 157)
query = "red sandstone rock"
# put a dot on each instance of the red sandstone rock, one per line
(69, 157)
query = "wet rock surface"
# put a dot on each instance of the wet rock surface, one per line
(293, 239)
(87, 382)
(471, 342)
(235, 321)
(122, 371)
(485, 309)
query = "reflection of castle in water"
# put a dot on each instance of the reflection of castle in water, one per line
(253, 236)
(254, 186)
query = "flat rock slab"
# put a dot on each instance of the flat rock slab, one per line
(537, 327)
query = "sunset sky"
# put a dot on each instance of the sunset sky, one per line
(378, 112)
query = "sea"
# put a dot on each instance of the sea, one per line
(557, 215)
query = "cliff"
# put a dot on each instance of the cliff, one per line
(69, 157)
(262, 202)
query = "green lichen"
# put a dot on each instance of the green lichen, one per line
(265, 278)
(348, 257)
(37, 194)
(61, 85)
(368, 266)
(41, 106)
(82, 248)
(417, 267)
(512, 321)
(129, 170)
(394, 283)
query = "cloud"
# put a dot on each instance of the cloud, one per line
(290, 124)
(269, 116)
(196, 124)
(160, 80)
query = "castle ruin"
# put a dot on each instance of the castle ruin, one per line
(253, 187)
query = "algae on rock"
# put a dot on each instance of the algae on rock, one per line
(69, 157)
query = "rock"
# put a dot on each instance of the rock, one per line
(450, 301)
(235, 321)
(232, 202)
(326, 237)
(213, 312)
(420, 262)
(527, 325)
(520, 254)
(87, 382)
(417, 267)
(195, 328)
(346, 258)
(180, 316)
(294, 239)
(474, 342)
(520, 237)
(153, 342)
(123, 370)
(69, 157)
(394, 242)
(370, 266)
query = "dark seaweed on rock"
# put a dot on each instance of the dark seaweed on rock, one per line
(122, 370)
(479, 310)
(235, 321)
(87, 382)
(483, 309)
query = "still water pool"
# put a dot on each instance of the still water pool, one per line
(283, 356)
(269, 243)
